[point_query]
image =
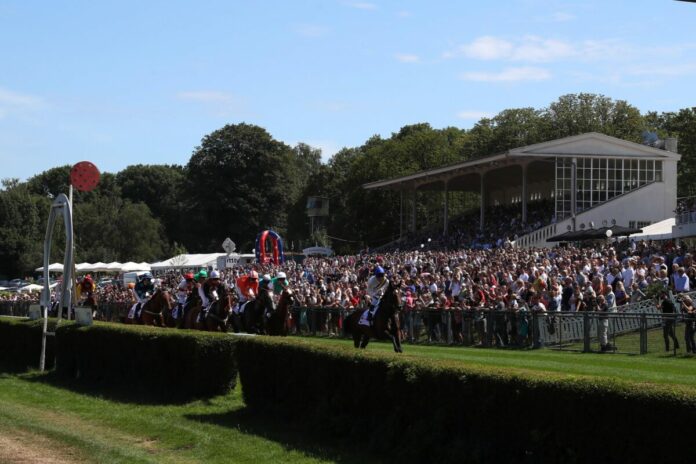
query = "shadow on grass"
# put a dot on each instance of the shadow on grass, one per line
(293, 435)
(117, 393)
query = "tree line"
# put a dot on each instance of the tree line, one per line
(240, 180)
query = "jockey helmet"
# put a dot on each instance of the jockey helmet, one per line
(267, 277)
(215, 275)
(147, 275)
(281, 275)
(254, 275)
(188, 276)
(131, 285)
(88, 278)
(379, 271)
(202, 274)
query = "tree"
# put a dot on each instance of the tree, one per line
(159, 187)
(238, 183)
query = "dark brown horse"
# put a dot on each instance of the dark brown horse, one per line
(152, 312)
(277, 322)
(251, 319)
(385, 325)
(219, 312)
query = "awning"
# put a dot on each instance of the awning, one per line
(593, 234)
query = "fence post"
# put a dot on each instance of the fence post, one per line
(489, 328)
(449, 328)
(643, 333)
(586, 332)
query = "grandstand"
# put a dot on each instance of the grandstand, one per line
(575, 183)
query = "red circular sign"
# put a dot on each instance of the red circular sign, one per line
(84, 176)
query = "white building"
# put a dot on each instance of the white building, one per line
(593, 179)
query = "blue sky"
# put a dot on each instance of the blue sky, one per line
(127, 82)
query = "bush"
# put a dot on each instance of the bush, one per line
(20, 344)
(164, 363)
(438, 411)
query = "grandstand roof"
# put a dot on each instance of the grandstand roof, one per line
(589, 144)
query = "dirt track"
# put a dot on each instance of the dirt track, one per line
(23, 447)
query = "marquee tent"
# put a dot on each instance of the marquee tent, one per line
(55, 267)
(188, 261)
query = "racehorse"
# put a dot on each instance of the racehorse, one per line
(191, 311)
(251, 318)
(277, 323)
(219, 312)
(152, 311)
(385, 325)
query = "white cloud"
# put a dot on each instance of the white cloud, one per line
(362, 5)
(537, 50)
(529, 49)
(328, 148)
(671, 70)
(473, 114)
(311, 30)
(487, 48)
(15, 102)
(407, 58)
(509, 75)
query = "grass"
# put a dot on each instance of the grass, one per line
(662, 368)
(91, 428)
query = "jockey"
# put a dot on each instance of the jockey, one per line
(144, 288)
(376, 287)
(86, 287)
(247, 287)
(184, 290)
(209, 290)
(280, 283)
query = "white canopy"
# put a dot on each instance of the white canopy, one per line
(113, 267)
(83, 267)
(31, 288)
(188, 261)
(98, 267)
(130, 266)
(657, 231)
(55, 267)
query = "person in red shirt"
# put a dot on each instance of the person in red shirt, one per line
(247, 287)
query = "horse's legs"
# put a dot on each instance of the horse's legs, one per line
(365, 341)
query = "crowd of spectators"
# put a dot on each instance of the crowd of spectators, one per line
(502, 225)
(519, 281)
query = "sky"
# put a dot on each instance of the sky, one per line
(142, 82)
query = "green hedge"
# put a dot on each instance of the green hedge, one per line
(408, 410)
(20, 344)
(165, 363)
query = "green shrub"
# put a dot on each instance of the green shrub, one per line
(20, 344)
(410, 410)
(163, 363)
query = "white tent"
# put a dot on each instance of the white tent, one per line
(130, 266)
(657, 231)
(188, 261)
(144, 266)
(98, 267)
(113, 267)
(55, 267)
(82, 267)
(31, 288)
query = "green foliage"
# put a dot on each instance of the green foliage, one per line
(409, 410)
(148, 360)
(238, 183)
(20, 344)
